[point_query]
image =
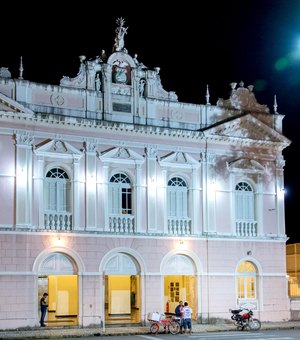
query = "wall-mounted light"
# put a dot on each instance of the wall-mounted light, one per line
(180, 244)
(281, 193)
(58, 241)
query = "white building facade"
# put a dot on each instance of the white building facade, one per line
(119, 200)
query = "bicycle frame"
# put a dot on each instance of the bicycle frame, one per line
(169, 325)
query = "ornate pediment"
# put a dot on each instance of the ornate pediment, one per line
(242, 99)
(9, 105)
(246, 127)
(58, 149)
(245, 165)
(121, 155)
(179, 160)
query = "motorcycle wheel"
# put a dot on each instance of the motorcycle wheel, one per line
(254, 324)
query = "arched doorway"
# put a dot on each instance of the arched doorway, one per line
(58, 277)
(180, 283)
(122, 290)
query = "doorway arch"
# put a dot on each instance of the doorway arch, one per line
(180, 281)
(58, 276)
(122, 292)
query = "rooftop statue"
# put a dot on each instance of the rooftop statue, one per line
(120, 32)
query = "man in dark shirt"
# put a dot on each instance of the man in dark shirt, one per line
(44, 306)
(178, 313)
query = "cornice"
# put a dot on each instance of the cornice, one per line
(73, 122)
(66, 122)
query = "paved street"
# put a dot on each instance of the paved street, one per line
(200, 331)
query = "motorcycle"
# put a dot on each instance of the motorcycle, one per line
(243, 318)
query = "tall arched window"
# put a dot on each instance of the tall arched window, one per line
(244, 201)
(246, 224)
(246, 281)
(177, 198)
(120, 194)
(57, 193)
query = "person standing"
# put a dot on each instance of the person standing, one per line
(178, 314)
(187, 318)
(44, 307)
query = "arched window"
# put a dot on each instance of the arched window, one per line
(246, 281)
(57, 193)
(244, 202)
(120, 194)
(246, 224)
(177, 197)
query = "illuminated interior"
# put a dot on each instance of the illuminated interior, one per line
(122, 299)
(180, 288)
(62, 299)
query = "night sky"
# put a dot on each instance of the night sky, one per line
(214, 43)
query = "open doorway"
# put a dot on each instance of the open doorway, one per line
(180, 283)
(122, 291)
(61, 284)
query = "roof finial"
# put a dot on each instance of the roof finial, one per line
(207, 95)
(21, 69)
(275, 104)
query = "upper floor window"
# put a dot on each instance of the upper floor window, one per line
(57, 196)
(177, 197)
(244, 202)
(120, 194)
(246, 281)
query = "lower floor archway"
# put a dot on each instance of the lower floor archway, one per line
(60, 281)
(122, 293)
(180, 283)
(122, 299)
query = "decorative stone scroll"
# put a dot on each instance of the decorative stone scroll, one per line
(242, 99)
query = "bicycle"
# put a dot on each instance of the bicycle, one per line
(168, 324)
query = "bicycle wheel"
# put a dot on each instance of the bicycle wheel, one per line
(174, 327)
(254, 324)
(154, 328)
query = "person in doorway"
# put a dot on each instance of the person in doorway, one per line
(187, 318)
(44, 307)
(178, 314)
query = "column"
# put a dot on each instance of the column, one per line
(209, 193)
(280, 196)
(106, 197)
(90, 183)
(194, 202)
(151, 189)
(76, 195)
(138, 199)
(39, 183)
(23, 180)
(107, 79)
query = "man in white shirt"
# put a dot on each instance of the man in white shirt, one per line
(187, 318)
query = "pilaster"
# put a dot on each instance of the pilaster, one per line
(107, 79)
(138, 199)
(152, 188)
(76, 194)
(91, 188)
(209, 192)
(279, 177)
(23, 180)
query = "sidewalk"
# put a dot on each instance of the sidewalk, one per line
(69, 332)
